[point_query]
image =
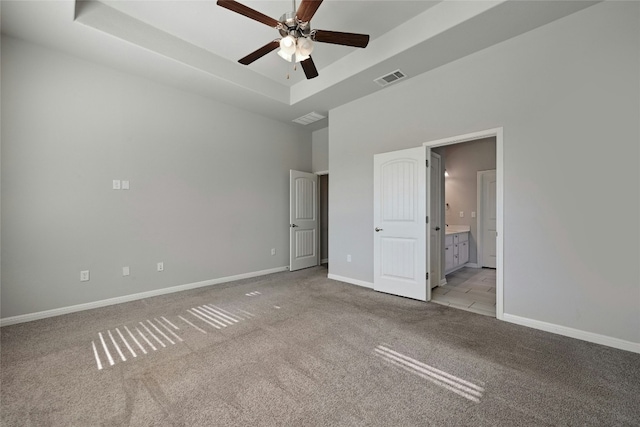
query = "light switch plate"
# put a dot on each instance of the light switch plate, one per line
(125, 271)
(125, 184)
(116, 184)
(461, 214)
(473, 214)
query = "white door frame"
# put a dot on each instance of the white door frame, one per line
(480, 217)
(320, 260)
(436, 281)
(497, 133)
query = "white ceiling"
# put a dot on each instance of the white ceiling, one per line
(195, 45)
(233, 36)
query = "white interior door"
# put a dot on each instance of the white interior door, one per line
(489, 218)
(303, 220)
(435, 220)
(400, 233)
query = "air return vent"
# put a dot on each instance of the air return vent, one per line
(390, 78)
(309, 118)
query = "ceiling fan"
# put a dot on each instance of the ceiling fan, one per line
(297, 39)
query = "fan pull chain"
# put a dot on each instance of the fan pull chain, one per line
(295, 68)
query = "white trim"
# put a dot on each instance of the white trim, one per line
(440, 211)
(472, 265)
(443, 282)
(464, 138)
(499, 225)
(480, 176)
(351, 281)
(573, 333)
(498, 134)
(319, 209)
(133, 297)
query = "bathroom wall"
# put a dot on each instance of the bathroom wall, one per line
(462, 162)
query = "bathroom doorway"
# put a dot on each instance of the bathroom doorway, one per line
(463, 282)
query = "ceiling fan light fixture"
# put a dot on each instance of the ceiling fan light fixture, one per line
(300, 58)
(284, 55)
(297, 36)
(288, 45)
(301, 54)
(305, 46)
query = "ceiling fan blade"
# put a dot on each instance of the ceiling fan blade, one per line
(307, 9)
(260, 52)
(345, 39)
(248, 12)
(309, 68)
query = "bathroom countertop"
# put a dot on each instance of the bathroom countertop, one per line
(452, 229)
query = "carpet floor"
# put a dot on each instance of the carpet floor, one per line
(295, 349)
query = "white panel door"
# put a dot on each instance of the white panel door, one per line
(489, 218)
(400, 232)
(303, 220)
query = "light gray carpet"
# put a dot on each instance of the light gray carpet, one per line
(300, 349)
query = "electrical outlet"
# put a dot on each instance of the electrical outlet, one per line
(125, 185)
(273, 251)
(461, 214)
(473, 214)
(161, 266)
(125, 271)
(84, 276)
(349, 258)
(116, 184)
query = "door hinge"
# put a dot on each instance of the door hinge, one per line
(427, 162)
(427, 276)
(427, 219)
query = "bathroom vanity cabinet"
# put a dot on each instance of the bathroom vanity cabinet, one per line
(456, 250)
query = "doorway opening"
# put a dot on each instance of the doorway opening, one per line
(323, 218)
(467, 228)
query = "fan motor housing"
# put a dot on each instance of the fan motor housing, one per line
(293, 27)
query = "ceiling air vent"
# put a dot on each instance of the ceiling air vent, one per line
(309, 118)
(390, 78)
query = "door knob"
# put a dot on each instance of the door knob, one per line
(378, 229)
(293, 225)
(437, 228)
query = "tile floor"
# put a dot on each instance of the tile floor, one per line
(470, 289)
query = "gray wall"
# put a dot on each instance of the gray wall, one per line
(566, 94)
(209, 183)
(463, 161)
(320, 150)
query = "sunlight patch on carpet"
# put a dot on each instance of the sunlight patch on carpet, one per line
(464, 388)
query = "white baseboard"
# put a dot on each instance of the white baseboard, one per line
(127, 298)
(443, 281)
(324, 261)
(351, 281)
(573, 333)
(472, 265)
